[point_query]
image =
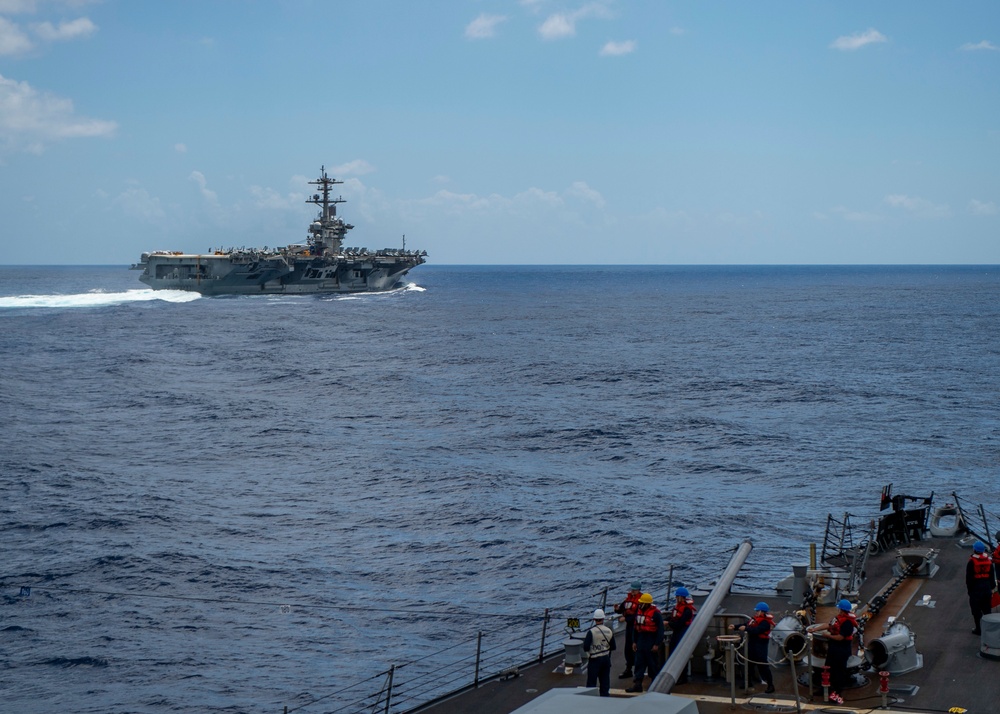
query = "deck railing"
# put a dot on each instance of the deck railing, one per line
(977, 520)
(491, 654)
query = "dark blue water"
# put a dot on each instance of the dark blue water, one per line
(234, 504)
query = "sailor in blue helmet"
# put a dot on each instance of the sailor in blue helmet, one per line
(679, 620)
(980, 581)
(758, 631)
(840, 632)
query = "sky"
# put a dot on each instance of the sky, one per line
(505, 131)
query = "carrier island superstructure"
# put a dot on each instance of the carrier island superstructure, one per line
(320, 265)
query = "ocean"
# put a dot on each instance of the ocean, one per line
(239, 504)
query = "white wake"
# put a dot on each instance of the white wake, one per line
(97, 299)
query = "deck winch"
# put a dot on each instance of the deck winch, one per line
(895, 651)
(918, 562)
(788, 640)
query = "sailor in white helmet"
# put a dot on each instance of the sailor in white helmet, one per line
(599, 642)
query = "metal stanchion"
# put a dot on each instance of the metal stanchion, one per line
(795, 687)
(812, 674)
(388, 689)
(479, 655)
(545, 625)
(795, 678)
(729, 642)
(745, 646)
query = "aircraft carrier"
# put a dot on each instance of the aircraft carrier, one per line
(320, 265)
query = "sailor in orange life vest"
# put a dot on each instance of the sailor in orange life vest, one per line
(980, 581)
(758, 631)
(599, 642)
(648, 641)
(996, 554)
(627, 609)
(679, 621)
(840, 633)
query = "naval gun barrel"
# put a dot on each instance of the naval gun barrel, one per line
(678, 660)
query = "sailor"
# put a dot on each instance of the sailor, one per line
(980, 581)
(626, 609)
(758, 631)
(648, 640)
(995, 597)
(599, 642)
(840, 634)
(680, 617)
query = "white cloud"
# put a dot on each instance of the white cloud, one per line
(30, 119)
(917, 206)
(199, 178)
(678, 31)
(531, 201)
(983, 208)
(557, 26)
(137, 203)
(12, 40)
(900, 200)
(81, 27)
(270, 199)
(452, 202)
(483, 26)
(854, 216)
(858, 40)
(366, 202)
(563, 24)
(358, 167)
(984, 45)
(580, 189)
(536, 196)
(180, 148)
(614, 49)
(13, 7)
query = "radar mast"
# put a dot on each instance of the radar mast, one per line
(327, 230)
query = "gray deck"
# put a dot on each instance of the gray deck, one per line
(953, 673)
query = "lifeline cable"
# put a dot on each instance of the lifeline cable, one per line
(405, 611)
(339, 691)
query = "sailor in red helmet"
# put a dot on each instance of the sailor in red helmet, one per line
(980, 581)
(648, 641)
(840, 632)
(758, 631)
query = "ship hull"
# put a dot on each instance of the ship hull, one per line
(280, 274)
